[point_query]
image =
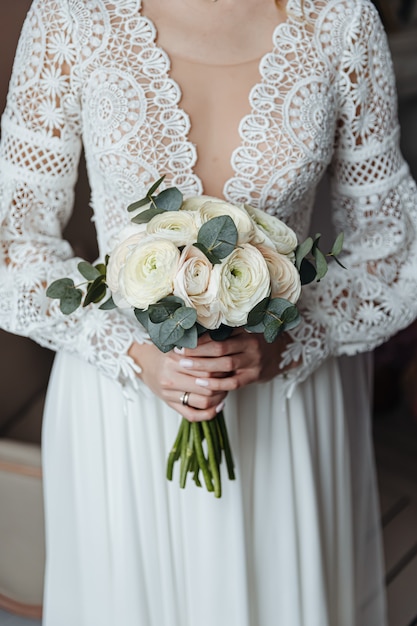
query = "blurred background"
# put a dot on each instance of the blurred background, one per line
(23, 383)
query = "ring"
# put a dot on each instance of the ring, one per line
(184, 398)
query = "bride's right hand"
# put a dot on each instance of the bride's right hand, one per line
(164, 375)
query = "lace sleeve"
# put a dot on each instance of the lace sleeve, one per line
(38, 166)
(374, 202)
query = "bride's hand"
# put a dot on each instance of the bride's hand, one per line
(169, 380)
(242, 359)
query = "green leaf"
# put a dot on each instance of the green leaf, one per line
(290, 317)
(169, 199)
(138, 204)
(321, 263)
(70, 300)
(161, 311)
(95, 291)
(88, 271)
(221, 333)
(302, 250)
(189, 338)
(185, 316)
(219, 235)
(155, 186)
(338, 245)
(211, 257)
(165, 335)
(142, 316)
(307, 272)
(146, 216)
(257, 314)
(272, 330)
(108, 305)
(102, 268)
(59, 287)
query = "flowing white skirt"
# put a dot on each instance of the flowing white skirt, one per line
(294, 540)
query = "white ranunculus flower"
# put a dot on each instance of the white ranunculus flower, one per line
(194, 203)
(243, 222)
(285, 279)
(178, 226)
(128, 237)
(244, 281)
(148, 272)
(196, 285)
(281, 235)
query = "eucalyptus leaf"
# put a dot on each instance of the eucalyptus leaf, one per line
(161, 311)
(185, 316)
(155, 186)
(211, 257)
(142, 315)
(102, 268)
(257, 314)
(95, 291)
(170, 332)
(146, 216)
(219, 235)
(272, 330)
(307, 272)
(88, 271)
(302, 250)
(321, 263)
(59, 287)
(70, 300)
(154, 331)
(338, 244)
(291, 317)
(189, 338)
(221, 333)
(138, 204)
(108, 305)
(169, 199)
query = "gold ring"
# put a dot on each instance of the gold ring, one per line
(184, 398)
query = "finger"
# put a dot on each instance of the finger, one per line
(196, 400)
(197, 415)
(230, 383)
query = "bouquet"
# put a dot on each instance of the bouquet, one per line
(201, 265)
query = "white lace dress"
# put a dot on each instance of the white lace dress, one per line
(294, 541)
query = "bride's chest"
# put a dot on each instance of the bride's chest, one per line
(262, 134)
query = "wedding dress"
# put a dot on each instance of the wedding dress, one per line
(294, 540)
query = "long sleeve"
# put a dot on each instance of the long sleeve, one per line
(374, 202)
(40, 148)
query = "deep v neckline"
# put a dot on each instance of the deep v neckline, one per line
(240, 144)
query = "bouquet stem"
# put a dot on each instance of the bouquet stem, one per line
(189, 450)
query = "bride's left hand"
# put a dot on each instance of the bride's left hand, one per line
(241, 359)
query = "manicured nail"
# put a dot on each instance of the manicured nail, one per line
(179, 350)
(220, 406)
(186, 363)
(203, 382)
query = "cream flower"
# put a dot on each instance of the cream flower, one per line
(243, 282)
(282, 236)
(197, 286)
(177, 226)
(128, 239)
(148, 272)
(285, 279)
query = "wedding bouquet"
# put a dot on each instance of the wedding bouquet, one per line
(201, 265)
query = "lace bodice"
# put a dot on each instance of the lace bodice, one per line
(90, 71)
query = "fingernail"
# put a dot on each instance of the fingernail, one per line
(220, 406)
(179, 350)
(186, 363)
(203, 382)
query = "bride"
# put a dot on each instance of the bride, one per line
(252, 101)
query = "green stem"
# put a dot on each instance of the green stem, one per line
(188, 458)
(184, 446)
(175, 451)
(216, 439)
(226, 445)
(214, 466)
(198, 446)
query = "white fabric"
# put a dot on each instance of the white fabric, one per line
(90, 70)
